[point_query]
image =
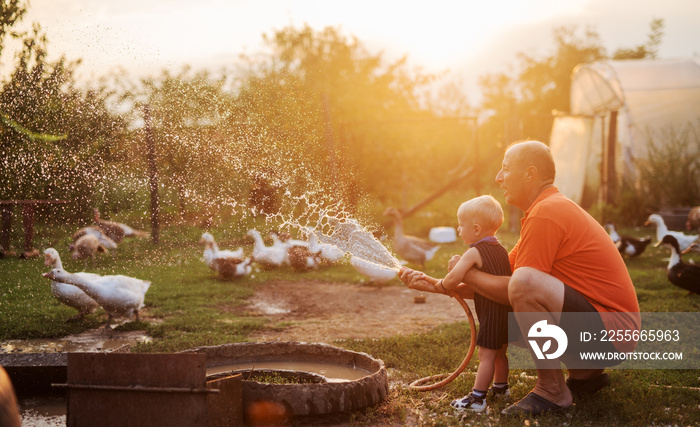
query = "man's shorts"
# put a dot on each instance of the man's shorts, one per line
(577, 326)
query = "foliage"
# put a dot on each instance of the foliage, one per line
(11, 12)
(525, 99)
(672, 163)
(181, 115)
(53, 134)
(541, 85)
(649, 49)
(358, 121)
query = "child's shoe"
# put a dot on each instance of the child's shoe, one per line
(500, 392)
(470, 402)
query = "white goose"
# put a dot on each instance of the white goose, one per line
(286, 247)
(328, 253)
(684, 240)
(97, 232)
(287, 240)
(212, 251)
(116, 230)
(267, 256)
(70, 295)
(88, 246)
(375, 272)
(118, 295)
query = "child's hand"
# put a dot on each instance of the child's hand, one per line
(453, 261)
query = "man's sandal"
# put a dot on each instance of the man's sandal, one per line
(534, 404)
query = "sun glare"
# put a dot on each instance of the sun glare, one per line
(135, 35)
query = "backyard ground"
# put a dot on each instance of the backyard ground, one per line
(314, 311)
(323, 312)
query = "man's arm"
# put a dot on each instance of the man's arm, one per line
(492, 287)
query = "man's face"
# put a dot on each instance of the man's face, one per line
(512, 178)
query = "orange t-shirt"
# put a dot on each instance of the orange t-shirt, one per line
(561, 239)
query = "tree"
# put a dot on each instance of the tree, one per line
(541, 85)
(194, 159)
(11, 12)
(54, 134)
(650, 49)
(347, 117)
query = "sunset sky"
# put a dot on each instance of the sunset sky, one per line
(469, 38)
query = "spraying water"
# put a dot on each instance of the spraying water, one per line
(342, 231)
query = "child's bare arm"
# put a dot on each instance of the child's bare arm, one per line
(456, 274)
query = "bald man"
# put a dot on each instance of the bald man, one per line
(563, 263)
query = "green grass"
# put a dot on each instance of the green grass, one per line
(193, 308)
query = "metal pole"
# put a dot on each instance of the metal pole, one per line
(611, 175)
(152, 175)
(6, 228)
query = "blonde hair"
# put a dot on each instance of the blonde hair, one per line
(483, 210)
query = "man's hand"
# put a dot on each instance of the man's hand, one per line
(418, 280)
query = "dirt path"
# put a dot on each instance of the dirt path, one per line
(323, 312)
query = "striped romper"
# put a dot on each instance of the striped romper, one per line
(493, 317)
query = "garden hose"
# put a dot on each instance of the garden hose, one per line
(447, 378)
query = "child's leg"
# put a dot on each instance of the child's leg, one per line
(476, 400)
(486, 369)
(500, 374)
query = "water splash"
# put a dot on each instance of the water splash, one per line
(212, 176)
(339, 229)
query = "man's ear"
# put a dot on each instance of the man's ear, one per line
(530, 173)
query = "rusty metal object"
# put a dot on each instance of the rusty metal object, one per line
(136, 389)
(226, 407)
(303, 399)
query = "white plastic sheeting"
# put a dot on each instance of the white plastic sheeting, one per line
(652, 97)
(577, 165)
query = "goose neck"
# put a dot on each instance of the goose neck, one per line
(661, 229)
(675, 258)
(57, 262)
(75, 280)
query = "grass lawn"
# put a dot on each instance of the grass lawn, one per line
(193, 311)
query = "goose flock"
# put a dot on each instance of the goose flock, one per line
(119, 295)
(299, 255)
(685, 276)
